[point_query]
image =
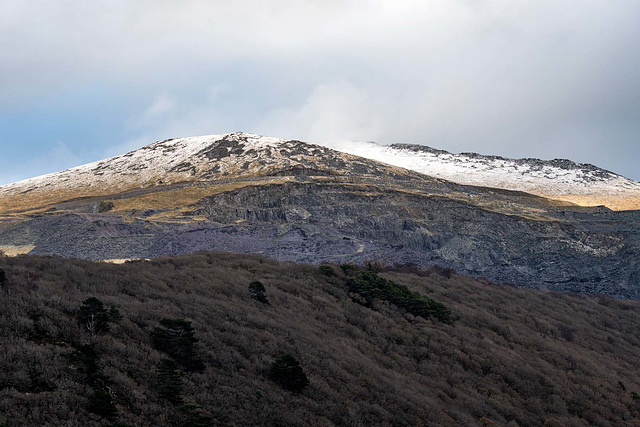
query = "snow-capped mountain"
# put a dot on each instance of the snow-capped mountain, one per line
(174, 160)
(180, 160)
(561, 179)
(227, 156)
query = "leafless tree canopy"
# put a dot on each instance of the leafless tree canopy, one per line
(509, 355)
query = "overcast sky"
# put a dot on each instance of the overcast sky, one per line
(83, 80)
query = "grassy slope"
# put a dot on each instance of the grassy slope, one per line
(512, 356)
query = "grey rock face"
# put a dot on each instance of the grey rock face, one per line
(583, 250)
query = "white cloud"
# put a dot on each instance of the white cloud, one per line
(167, 117)
(332, 113)
(160, 106)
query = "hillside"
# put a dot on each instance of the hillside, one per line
(560, 179)
(295, 201)
(509, 357)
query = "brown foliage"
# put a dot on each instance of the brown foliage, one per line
(513, 355)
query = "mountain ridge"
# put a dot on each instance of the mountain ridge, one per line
(556, 162)
(562, 179)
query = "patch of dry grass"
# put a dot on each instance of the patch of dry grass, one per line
(616, 203)
(16, 250)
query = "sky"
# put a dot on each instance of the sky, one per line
(84, 80)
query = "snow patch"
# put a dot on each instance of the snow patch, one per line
(162, 162)
(546, 178)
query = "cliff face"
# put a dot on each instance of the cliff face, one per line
(300, 202)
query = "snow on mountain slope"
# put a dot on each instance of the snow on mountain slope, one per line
(203, 158)
(169, 161)
(560, 179)
(215, 157)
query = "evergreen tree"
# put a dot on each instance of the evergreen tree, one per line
(327, 270)
(114, 315)
(369, 286)
(85, 360)
(258, 292)
(168, 381)
(176, 338)
(349, 269)
(196, 416)
(287, 372)
(100, 403)
(4, 281)
(93, 317)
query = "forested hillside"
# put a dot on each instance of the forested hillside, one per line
(225, 339)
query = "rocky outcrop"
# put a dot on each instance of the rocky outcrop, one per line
(583, 251)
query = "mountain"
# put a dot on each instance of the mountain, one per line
(561, 179)
(186, 160)
(509, 357)
(296, 201)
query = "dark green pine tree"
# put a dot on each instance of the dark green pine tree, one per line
(327, 270)
(100, 403)
(3, 278)
(287, 372)
(168, 381)
(115, 315)
(85, 361)
(176, 337)
(196, 416)
(258, 292)
(93, 317)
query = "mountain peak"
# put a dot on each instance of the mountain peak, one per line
(192, 159)
(169, 160)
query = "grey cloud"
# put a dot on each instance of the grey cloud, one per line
(529, 78)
